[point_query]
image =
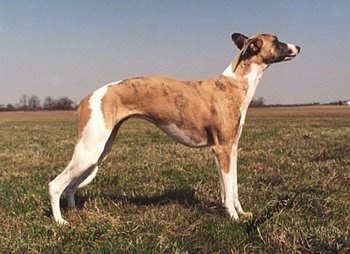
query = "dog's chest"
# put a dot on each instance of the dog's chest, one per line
(253, 78)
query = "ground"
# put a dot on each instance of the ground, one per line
(154, 196)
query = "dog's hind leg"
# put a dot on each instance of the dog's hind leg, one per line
(95, 139)
(73, 186)
(56, 187)
(80, 171)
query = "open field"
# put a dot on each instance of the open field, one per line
(154, 196)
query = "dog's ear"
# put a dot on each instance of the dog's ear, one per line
(252, 47)
(239, 39)
(249, 48)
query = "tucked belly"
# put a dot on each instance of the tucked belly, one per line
(191, 138)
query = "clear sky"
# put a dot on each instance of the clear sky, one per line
(69, 48)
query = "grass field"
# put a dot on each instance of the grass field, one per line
(154, 196)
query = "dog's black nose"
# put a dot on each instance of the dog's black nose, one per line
(298, 48)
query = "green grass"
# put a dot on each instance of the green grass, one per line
(154, 196)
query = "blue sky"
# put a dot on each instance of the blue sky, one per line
(69, 48)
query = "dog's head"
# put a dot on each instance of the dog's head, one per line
(263, 49)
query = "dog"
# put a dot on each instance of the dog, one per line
(194, 113)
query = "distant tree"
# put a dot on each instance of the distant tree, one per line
(259, 102)
(10, 107)
(33, 102)
(64, 103)
(49, 103)
(23, 101)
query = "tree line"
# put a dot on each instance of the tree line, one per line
(33, 102)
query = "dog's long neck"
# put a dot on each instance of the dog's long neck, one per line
(246, 72)
(249, 74)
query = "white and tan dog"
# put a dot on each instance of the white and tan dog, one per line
(194, 113)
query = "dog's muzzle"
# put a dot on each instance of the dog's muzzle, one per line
(293, 51)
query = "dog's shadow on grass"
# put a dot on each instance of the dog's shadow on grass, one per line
(184, 197)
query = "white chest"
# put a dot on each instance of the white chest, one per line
(253, 78)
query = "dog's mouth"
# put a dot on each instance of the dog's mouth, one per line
(281, 58)
(288, 57)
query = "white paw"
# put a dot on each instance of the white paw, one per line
(234, 217)
(246, 216)
(61, 222)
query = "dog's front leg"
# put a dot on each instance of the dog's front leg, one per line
(223, 159)
(233, 169)
(226, 158)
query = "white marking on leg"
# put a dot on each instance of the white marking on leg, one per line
(56, 188)
(225, 178)
(233, 169)
(229, 196)
(232, 174)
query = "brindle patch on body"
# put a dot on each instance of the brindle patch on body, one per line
(166, 101)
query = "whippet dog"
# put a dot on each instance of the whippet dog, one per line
(194, 113)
